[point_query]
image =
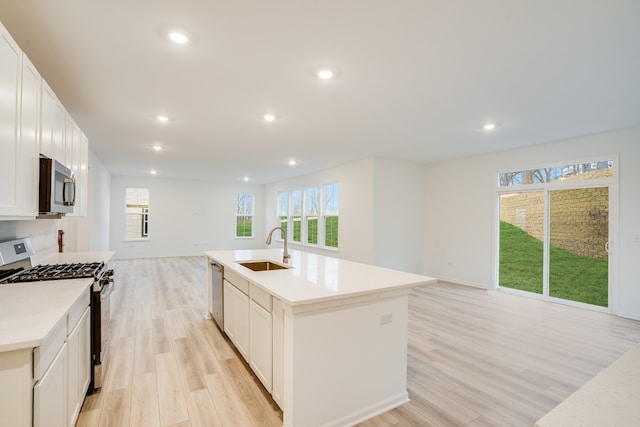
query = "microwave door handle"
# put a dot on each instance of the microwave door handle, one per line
(72, 182)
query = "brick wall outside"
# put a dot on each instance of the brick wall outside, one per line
(579, 217)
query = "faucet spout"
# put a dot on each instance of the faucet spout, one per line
(285, 254)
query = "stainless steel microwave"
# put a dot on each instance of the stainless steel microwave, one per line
(57, 188)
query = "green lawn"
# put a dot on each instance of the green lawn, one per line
(571, 276)
(330, 232)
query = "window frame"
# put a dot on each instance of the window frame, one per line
(144, 215)
(241, 213)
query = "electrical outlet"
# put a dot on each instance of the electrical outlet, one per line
(386, 318)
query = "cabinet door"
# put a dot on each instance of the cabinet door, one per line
(78, 367)
(11, 60)
(278, 352)
(60, 116)
(260, 343)
(84, 347)
(27, 155)
(229, 310)
(47, 120)
(49, 396)
(242, 323)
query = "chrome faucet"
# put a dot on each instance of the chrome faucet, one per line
(285, 255)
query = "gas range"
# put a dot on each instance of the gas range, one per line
(56, 272)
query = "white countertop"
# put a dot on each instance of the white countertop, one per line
(316, 278)
(29, 311)
(610, 399)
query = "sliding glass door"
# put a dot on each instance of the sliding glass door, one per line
(554, 232)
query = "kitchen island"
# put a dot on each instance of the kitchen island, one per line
(327, 337)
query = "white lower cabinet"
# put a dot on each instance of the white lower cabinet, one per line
(260, 343)
(236, 317)
(46, 385)
(78, 367)
(49, 397)
(277, 316)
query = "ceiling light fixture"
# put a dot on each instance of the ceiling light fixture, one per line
(162, 119)
(489, 126)
(245, 179)
(292, 162)
(325, 74)
(153, 172)
(178, 37)
(158, 147)
(269, 117)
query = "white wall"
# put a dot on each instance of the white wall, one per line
(186, 217)
(398, 215)
(460, 226)
(91, 233)
(43, 233)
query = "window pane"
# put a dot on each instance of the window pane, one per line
(521, 241)
(283, 212)
(137, 213)
(244, 215)
(575, 172)
(311, 214)
(296, 208)
(331, 212)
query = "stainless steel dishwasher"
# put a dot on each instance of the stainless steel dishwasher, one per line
(215, 297)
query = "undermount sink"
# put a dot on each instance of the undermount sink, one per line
(263, 265)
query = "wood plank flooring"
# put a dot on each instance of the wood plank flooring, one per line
(476, 357)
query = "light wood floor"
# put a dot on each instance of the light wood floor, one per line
(476, 357)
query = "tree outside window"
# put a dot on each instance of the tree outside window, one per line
(137, 213)
(296, 212)
(331, 212)
(244, 215)
(311, 214)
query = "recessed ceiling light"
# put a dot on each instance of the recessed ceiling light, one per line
(489, 126)
(292, 162)
(245, 179)
(158, 147)
(179, 38)
(162, 119)
(269, 117)
(153, 172)
(325, 74)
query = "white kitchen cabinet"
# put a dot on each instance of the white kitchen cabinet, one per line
(236, 317)
(59, 125)
(260, 343)
(78, 366)
(27, 149)
(277, 315)
(48, 102)
(49, 396)
(19, 112)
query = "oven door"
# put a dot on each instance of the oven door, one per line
(100, 328)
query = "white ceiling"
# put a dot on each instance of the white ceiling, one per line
(416, 79)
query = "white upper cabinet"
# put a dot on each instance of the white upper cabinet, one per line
(47, 120)
(27, 155)
(32, 122)
(18, 139)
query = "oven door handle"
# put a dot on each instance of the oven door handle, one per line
(106, 288)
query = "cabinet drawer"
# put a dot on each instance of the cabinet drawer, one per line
(44, 355)
(237, 281)
(77, 310)
(262, 297)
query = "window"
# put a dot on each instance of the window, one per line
(283, 212)
(311, 215)
(244, 215)
(331, 199)
(137, 213)
(296, 214)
